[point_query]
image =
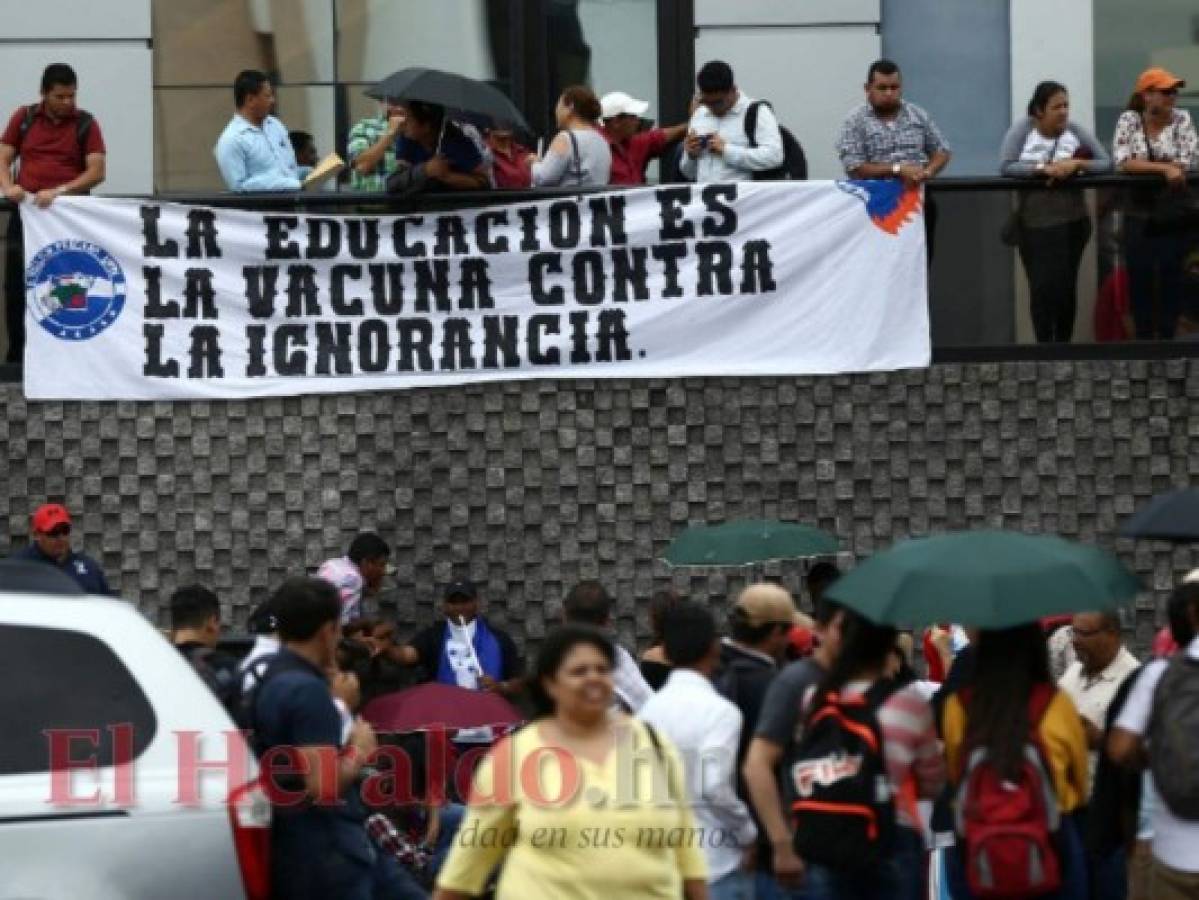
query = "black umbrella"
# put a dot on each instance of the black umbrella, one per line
(1168, 517)
(449, 90)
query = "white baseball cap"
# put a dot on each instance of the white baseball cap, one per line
(619, 103)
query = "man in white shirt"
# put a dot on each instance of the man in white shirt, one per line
(589, 603)
(358, 574)
(717, 147)
(706, 729)
(1091, 681)
(1175, 867)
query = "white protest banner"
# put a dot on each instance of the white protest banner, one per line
(142, 300)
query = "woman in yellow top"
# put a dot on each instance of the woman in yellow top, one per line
(582, 804)
(1009, 665)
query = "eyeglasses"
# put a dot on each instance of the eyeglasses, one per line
(59, 531)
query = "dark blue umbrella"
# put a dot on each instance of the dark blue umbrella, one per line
(1167, 517)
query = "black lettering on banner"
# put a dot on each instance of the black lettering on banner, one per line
(362, 238)
(501, 335)
(669, 255)
(333, 348)
(715, 268)
(537, 326)
(201, 234)
(528, 229)
(587, 275)
(255, 351)
(607, 215)
(456, 352)
(206, 353)
(324, 238)
(199, 298)
(155, 366)
(566, 225)
(337, 290)
(672, 203)
(432, 282)
(302, 291)
(416, 339)
(483, 238)
(630, 271)
(153, 245)
(155, 308)
(262, 286)
(476, 286)
(287, 361)
(757, 268)
(712, 196)
(578, 338)
(399, 238)
(451, 237)
(613, 337)
(540, 265)
(387, 288)
(278, 237)
(374, 346)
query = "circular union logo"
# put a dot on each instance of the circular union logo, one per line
(75, 289)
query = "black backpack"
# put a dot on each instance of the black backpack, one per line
(1174, 737)
(843, 813)
(795, 163)
(83, 124)
(242, 702)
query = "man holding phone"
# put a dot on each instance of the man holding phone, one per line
(717, 147)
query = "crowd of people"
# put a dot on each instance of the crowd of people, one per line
(797, 756)
(412, 146)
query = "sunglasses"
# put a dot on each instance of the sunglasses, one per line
(59, 531)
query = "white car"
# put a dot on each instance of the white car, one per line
(88, 681)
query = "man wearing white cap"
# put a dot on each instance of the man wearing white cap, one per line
(632, 148)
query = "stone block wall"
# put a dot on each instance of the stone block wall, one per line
(530, 486)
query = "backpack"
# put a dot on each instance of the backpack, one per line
(83, 124)
(795, 163)
(1174, 737)
(216, 670)
(1008, 830)
(843, 811)
(249, 684)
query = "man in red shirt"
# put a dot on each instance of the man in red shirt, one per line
(61, 151)
(632, 148)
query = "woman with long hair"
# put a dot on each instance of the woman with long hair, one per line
(914, 766)
(579, 154)
(993, 714)
(1154, 138)
(1051, 227)
(582, 804)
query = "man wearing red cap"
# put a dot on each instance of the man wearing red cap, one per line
(51, 526)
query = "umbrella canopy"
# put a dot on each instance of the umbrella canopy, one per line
(431, 705)
(1168, 517)
(991, 579)
(449, 90)
(748, 541)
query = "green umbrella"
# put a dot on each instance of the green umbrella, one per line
(992, 579)
(748, 541)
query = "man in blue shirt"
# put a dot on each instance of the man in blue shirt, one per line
(51, 527)
(320, 849)
(254, 151)
(434, 153)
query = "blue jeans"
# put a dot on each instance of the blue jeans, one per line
(737, 885)
(1073, 860)
(767, 888)
(452, 815)
(899, 877)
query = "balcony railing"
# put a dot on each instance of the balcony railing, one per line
(999, 284)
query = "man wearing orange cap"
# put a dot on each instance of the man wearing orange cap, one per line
(51, 527)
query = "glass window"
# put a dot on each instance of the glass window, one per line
(1131, 37)
(67, 680)
(611, 45)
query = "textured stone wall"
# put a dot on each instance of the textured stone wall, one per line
(529, 486)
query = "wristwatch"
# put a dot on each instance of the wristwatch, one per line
(895, 167)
